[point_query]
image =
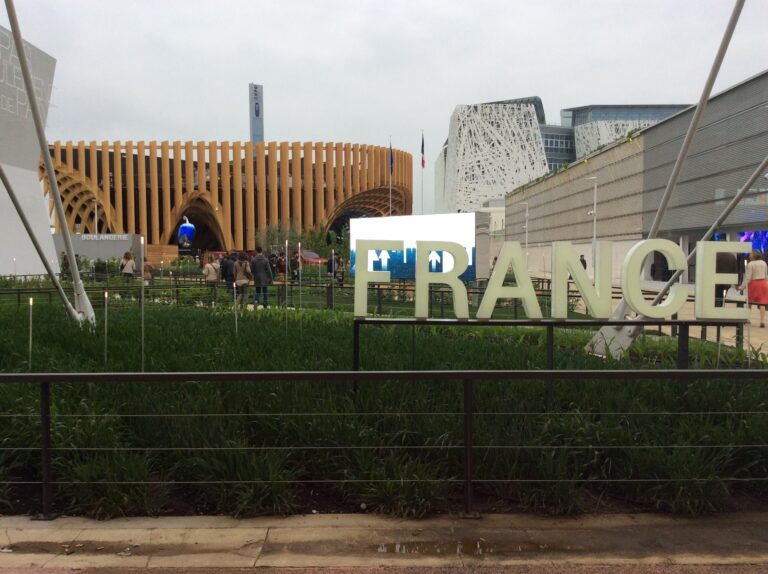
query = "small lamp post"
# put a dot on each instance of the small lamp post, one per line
(593, 213)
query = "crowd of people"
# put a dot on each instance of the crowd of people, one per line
(238, 272)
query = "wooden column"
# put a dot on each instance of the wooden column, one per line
(261, 188)
(106, 194)
(330, 180)
(226, 196)
(371, 167)
(309, 208)
(93, 153)
(202, 172)
(154, 194)
(81, 159)
(237, 184)
(363, 167)
(189, 168)
(178, 178)
(250, 209)
(319, 185)
(165, 170)
(273, 208)
(347, 189)
(285, 188)
(296, 211)
(357, 169)
(378, 167)
(57, 153)
(130, 188)
(339, 174)
(117, 183)
(213, 182)
(141, 158)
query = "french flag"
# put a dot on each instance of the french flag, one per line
(423, 159)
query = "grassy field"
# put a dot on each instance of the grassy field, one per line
(548, 446)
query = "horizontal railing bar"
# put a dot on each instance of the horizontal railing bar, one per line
(379, 447)
(367, 376)
(397, 481)
(548, 321)
(388, 414)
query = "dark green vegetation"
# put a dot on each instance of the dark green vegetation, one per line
(392, 442)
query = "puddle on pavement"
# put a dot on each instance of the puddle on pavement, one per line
(467, 547)
(117, 548)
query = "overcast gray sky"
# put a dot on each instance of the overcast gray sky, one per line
(362, 71)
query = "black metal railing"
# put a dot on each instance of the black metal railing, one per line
(682, 328)
(48, 381)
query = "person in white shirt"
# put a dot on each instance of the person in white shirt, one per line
(127, 266)
(756, 283)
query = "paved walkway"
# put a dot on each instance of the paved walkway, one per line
(540, 544)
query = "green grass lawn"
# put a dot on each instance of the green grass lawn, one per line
(386, 445)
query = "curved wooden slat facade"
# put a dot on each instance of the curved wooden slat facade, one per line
(236, 189)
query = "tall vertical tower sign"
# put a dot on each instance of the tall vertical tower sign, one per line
(256, 113)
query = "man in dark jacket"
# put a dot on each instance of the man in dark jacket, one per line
(262, 276)
(227, 270)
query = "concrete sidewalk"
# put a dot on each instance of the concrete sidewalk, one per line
(350, 541)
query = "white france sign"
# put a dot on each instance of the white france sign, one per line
(565, 267)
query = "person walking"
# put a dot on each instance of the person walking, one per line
(227, 270)
(211, 275)
(340, 268)
(261, 268)
(127, 266)
(243, 278)
(295, 267)
(583, 261)
(756, 283)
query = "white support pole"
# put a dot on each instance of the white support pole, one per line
(106, 320)
(615, 340)
(141, 302)
(234, 290)
(82, 303)
(29, 361)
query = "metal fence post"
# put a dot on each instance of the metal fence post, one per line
(355, 345)
(378, 299)
(45, 450)
(682, 347)
(468, 450)
(550, 346)
(442, 304)
(550, 385)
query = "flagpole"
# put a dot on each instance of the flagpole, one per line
(422, 172)
(390, 176)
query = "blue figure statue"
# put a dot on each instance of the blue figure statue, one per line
(186, 233)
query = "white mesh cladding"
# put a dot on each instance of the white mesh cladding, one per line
(492, 149)
(592, 135)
